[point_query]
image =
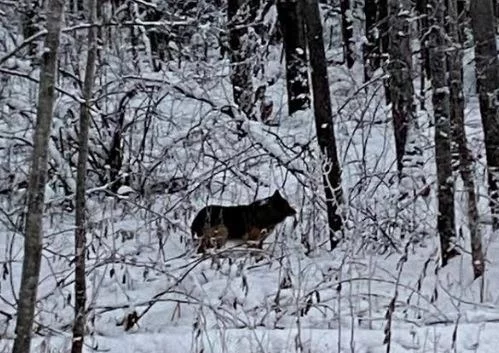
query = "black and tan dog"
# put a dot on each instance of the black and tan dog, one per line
(214, 225)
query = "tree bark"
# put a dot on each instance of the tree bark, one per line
(487, 74)
(38, 175)
(401, 90)
(295, 49)
(422, 10)
(383, 22)
(347, 33)
(80, 285)
(445, 183)
(462, 155)
(76, 7)
(496, 14)
(371, 49)
(29, 20)
(241, 76)
(384, 42)
(324, 120)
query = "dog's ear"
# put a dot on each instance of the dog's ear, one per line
(277, 195)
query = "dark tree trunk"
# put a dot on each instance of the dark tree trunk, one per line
(80, 222)
(158, 39)
(401, 89)
(438, 65)
(383, 22)
(324, 119)
(37, 180)
(347, 33)
(487, 73)
(496, 14)
(384, 41)
(371, 49)
(30, 18)
(295, 45)
(422, 9)
(463, 17)
(241, 75)
(461, 154)
(76, 7)
(134, 37)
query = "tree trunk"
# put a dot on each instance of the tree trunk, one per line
(438, 65)
(29, 20)
(463, 16)
(496, 14)
(383, 21)
(400, 82)
(422, 10)
(324, 119)
(76, 7)
(384, 41)
(487, 74)
(241, 76)
(347, 33)
(292, 28)
(461, 154)
(38, 175)
(80, 226)
(371, 47)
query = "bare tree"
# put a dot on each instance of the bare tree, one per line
(438, 66)
(382, 17)
(371, 48)
(347, 33)
(324, 119)
(487, 74)
(33, 237)
(461, 154)
(496, 14)
(76, 6)
(422, 9)
(30, 16)
(80, 285)
(238, 12)
(401, 90)
(293, 31)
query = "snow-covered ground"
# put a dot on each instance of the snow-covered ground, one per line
(354, 299)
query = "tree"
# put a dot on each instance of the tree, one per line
(461, 154)
(371, 47)
(80, 285)
(487, 75)
(76, 6)
(496, 14)
(422, 9)
(383, 41)
(382, 18)
(401, 90)
(30, 17)
(324, 119)
(37, 180)
(293, 31)
(445, 183)
(238, 13)
(347, 33)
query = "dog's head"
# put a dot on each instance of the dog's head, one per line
(281, 205)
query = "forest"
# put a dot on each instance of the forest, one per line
(264, 176)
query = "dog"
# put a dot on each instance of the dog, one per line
(214, 225)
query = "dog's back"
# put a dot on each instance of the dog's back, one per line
(216, 224)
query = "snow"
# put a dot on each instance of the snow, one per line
(140, 258)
